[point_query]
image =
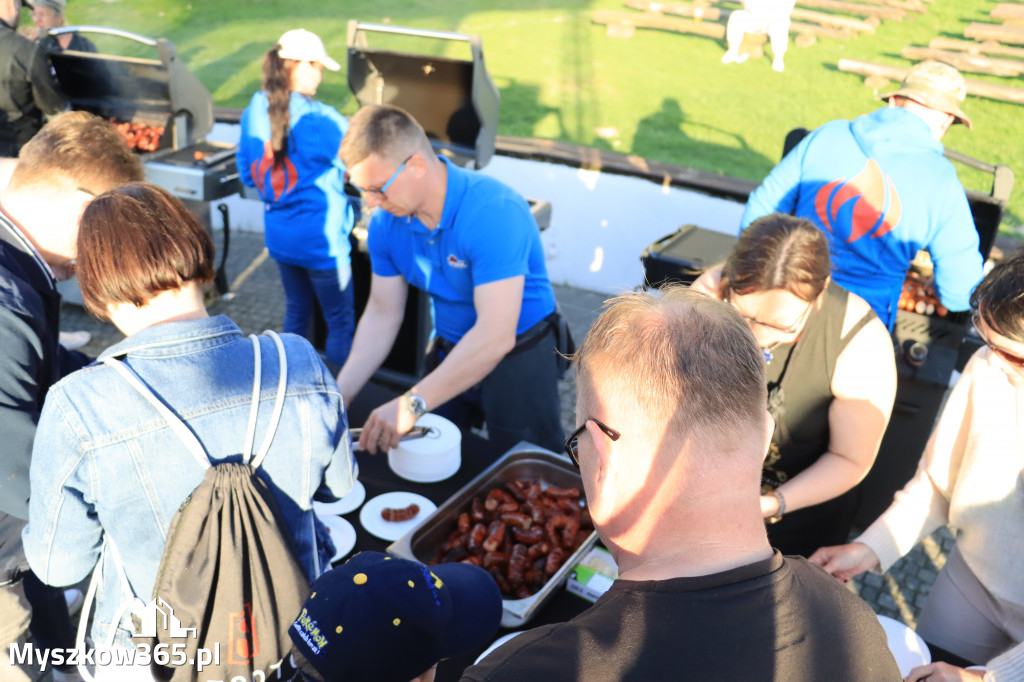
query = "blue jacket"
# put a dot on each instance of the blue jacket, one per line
(106, 463)
(881, 190)
(308, 217)
(31, 359)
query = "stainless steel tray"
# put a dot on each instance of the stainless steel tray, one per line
(524, 461)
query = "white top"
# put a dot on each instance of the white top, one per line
(971, 476)
(1007, 667)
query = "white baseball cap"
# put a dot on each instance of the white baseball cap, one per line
(305, 46)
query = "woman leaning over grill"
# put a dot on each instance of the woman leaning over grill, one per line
(289, 152)
(971, 477)
(831, 377)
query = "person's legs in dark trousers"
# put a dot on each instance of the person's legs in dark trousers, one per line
(520, 398)
(51, 623)
(15, 611)
(298, 298)
(338, 306)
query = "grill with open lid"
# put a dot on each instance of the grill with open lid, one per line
(454, 100)
(159, 95)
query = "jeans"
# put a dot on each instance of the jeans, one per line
(301, 287)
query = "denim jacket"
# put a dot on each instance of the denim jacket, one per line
(105, 463)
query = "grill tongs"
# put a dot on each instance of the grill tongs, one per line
(415, 433)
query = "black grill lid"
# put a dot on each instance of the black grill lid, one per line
(454, 100)
(130, 88)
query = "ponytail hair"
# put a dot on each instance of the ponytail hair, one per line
(277, 83)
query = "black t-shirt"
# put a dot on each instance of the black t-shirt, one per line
(779, 619)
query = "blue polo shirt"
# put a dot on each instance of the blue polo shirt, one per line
(486, 234)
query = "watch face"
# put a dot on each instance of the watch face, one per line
(417, 405)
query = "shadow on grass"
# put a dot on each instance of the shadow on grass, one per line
(663, 130)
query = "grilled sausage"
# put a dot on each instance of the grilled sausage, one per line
(394, 515)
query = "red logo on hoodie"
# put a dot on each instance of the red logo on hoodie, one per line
(282, 177)
(876, 204)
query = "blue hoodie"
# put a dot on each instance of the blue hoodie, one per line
(308, 217)
(881, 190)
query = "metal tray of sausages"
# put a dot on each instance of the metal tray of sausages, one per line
(524, 461)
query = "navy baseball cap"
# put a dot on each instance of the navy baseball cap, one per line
(383, 619)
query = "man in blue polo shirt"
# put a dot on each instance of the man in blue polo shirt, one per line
(473, 245)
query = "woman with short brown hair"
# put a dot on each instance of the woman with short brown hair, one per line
(831, 377)
(107, 467)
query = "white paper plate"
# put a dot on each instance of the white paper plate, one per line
(495, 644)
(370, 517)
(435, 474)
(906, 646)
(350, 502)
(343, 534)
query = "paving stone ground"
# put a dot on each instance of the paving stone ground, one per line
(257, 303)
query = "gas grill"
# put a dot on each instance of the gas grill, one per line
(156, 93)
(161, 98)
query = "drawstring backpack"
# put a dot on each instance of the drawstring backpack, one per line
(229, 582)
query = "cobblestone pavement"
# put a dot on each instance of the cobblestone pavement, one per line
(257, 303)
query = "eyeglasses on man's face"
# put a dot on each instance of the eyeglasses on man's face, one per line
(382, 192)
(788, 330)
(572, 446)
(1012, 359)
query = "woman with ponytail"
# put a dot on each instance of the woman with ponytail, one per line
(289, 152)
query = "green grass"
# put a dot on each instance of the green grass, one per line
(660, 95)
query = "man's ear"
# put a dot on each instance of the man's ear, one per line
(602, 443)
(769, 431)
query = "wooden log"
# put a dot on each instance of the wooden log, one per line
(1007, 10)
(804, 40)
(1000, 32)
(659, 22)
(679, 9)
(856, 8)
(834, 20)
(795, 27)
(902, 5)
(801, 28)
(967, 62)
(1003, 93)
(974, 47)
(619, 30)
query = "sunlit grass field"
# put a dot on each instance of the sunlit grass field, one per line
(660, 95)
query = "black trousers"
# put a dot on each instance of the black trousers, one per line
(517, 401)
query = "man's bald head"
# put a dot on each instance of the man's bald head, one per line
(684, 363)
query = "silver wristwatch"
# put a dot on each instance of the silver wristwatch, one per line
(416, 405)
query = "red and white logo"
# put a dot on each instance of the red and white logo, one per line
(876, 207)
(454, 262)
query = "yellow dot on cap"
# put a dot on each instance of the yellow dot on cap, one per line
(313, 596)
(412, 584)
(338, 629)
(397, 621)
(359, 578)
